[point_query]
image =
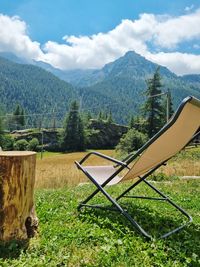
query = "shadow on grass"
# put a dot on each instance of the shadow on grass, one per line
(12, 249)
(185, 241)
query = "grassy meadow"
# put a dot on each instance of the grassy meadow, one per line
(57, 170)
(97, 238)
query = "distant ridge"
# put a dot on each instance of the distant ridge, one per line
(37, 90)
(118, 87)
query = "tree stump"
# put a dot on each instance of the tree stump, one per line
(18, 219)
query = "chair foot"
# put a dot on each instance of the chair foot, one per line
(79, 207)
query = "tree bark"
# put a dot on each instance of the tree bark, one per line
(18, 219)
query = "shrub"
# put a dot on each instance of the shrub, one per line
(33, 144)
(6, 142)
(21, 145)
(131, 141)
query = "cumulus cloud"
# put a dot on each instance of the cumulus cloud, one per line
(172, 31)
(179, 63)
(96, 50)
(162, 32)
(14, 38)
(155, 37)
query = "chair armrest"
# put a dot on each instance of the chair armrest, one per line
(103, 156)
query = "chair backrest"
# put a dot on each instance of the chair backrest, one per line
(173, 137)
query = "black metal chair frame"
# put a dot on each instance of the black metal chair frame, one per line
(121, 165)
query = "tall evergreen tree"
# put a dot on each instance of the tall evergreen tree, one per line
(22, 117)
(131, 123)
(100, 116)
(74, 137)
(110, 118)
(16, 114)
(18, 117)
(1, 129)
(153, 108)
(86, 117)
(137, 123)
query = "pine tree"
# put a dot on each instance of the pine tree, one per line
(100, 116)
(18, 117)
(86, 117)
(110, 118)
(1, 130)
(131, 123)
(74, 137)
(22, 118)
(153, 107)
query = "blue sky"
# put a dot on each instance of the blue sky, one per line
(90, 33)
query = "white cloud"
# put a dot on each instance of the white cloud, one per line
(179, 63)
(173, 31)
(163, 33)
(189, 8)
(14, 38)
(98, 49)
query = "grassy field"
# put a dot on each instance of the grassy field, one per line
(58, 170)
(97, 238)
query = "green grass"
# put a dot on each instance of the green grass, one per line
(189, 153)
(96, 238)
(46, 154)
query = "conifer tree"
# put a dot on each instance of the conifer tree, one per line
(22, 118)
(74, 137)
(1, 130)
(153, 108)
(131, 123)
(86, 117)
(18, 116)
(110, 118)
(100, 116)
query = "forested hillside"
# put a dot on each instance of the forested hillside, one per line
(37, 90)
(124, 81)
(193, 78)
(118, 87)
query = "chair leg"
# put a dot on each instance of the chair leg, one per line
(117, 208)
(139, 181)
(99, 189)
(164, 197)
(124, 212)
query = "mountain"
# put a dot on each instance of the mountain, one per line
(35, 89)
(12, 57)
(118, 87)
(131, 65)
(192, 78)
(124, 81)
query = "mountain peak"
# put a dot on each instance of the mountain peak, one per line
(131, 54)
(130, 64)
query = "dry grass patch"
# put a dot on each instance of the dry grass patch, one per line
(60, 171)
(182, 168)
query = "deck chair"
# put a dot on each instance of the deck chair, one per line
(182, 128)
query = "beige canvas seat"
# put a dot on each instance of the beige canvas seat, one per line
(173, 137)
